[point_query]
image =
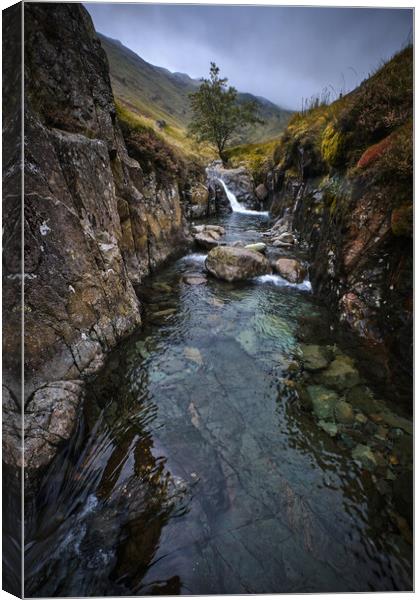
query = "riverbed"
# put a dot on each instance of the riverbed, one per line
(194, 469)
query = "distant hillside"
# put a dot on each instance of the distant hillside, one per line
(159, 95)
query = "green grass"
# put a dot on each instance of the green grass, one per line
(154, 94)
(258, 158)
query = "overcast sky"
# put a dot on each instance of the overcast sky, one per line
(282, 53)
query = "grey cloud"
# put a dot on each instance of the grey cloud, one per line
(282, 53)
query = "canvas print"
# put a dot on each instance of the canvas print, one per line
(207, 299)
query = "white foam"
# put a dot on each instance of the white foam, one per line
(236, 206)
(281, 282)
(195, 258)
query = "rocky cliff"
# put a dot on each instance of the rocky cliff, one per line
(95, 224)
(344, 175)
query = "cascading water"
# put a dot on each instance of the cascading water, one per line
(237, 206)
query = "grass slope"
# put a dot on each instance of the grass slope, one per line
(155, 94)
(368, 130)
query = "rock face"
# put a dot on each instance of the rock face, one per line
(235, 264)
(347, 189)
(94, 224)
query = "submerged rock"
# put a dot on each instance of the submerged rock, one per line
(315, 357)
(344, 412)
(323, 402)
(291, 269)
(330, 428)
(248, 340)
(194, 279)
(235, 264)
(194, 355)
(340, 375)
(364, 456)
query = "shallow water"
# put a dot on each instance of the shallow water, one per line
(193, 471)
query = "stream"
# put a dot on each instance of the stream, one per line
(194, 470)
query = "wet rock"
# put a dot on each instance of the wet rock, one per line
(261, 192)
(235, 264)
(323, 402)
(341, 374)
(103, 224)
(239, 181)
(50, 418)
(286, 238)
(361, 419)
(364, 456)
(208, 228)
(344, 413)
(142, 349)
(194, 279)
(315, 357)
(258, 247)
(206, 241)
(291, 269)
(328, 427)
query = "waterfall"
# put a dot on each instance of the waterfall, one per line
(236, 206)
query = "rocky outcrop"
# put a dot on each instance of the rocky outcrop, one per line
(343, 179)
(239, 181)
(235, 263)
(95, 224)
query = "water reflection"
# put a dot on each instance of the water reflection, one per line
(195, 471)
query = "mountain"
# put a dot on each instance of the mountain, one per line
(160, 95)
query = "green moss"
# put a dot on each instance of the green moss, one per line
(256, 157)
(333, 146)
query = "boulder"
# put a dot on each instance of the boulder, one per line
(235, 264)
(207, 236)
(205, 240)
(315, 357)
(206, 228)
(341, 374)
(291, 269)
